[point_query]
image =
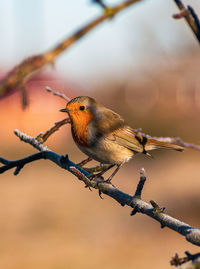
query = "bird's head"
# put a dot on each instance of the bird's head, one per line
(81, 110)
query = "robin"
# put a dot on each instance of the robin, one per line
(104, 136)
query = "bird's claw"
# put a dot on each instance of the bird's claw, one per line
(100, 194)
(87, 186)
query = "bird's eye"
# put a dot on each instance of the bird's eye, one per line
(82, 108)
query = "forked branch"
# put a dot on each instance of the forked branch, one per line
(152, 210)
(190, 17)
(17, 77)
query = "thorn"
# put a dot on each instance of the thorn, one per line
(157, 208)
(109, 11)
(100, 3)
(18, 169)
(63, 159)
(66, 157)
(181, 14)
(188, 254)
(135, 210)
(162, 226)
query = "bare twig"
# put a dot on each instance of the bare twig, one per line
(191, 234)
(31, 140)
(190, 16)
(100, 3)
(178, 141)
(171, 140)
(176, 260)
(42, 137)
(37, 142)
(62, 95)
(140, 186)
(17, 77)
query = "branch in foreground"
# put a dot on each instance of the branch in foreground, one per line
(17, 77)
(191, 234)
(190, 16)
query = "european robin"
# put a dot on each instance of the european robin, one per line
(104, 136)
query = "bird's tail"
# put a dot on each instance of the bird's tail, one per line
(155, 144)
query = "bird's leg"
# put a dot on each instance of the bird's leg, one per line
(104, 169)
(114, 173)
(84, 162)
(94, 169)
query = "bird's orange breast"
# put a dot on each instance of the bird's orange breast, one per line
(80, 127)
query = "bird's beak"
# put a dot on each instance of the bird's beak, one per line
(64, 110)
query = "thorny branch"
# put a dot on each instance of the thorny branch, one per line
(190, 16)
(191, 234)
(17, 77)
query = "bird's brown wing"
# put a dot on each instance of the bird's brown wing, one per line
(127, 138)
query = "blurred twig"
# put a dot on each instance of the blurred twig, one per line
(62, 95)
(171, 140)
(135, 202)
(17, 77)
(178, 141)
(190, 16)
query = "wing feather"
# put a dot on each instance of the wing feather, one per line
(127, 138)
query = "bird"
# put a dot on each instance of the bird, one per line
(104, 136)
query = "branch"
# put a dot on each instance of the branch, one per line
(190, 17)
(17, 77)
(62, 95)
(195, 258)
(42, 137)
(170, 140)
(33, 141)
(178, 141)
(191, 234)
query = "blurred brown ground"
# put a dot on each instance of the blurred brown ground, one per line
(49, 220)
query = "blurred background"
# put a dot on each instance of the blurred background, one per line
(145, 66)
